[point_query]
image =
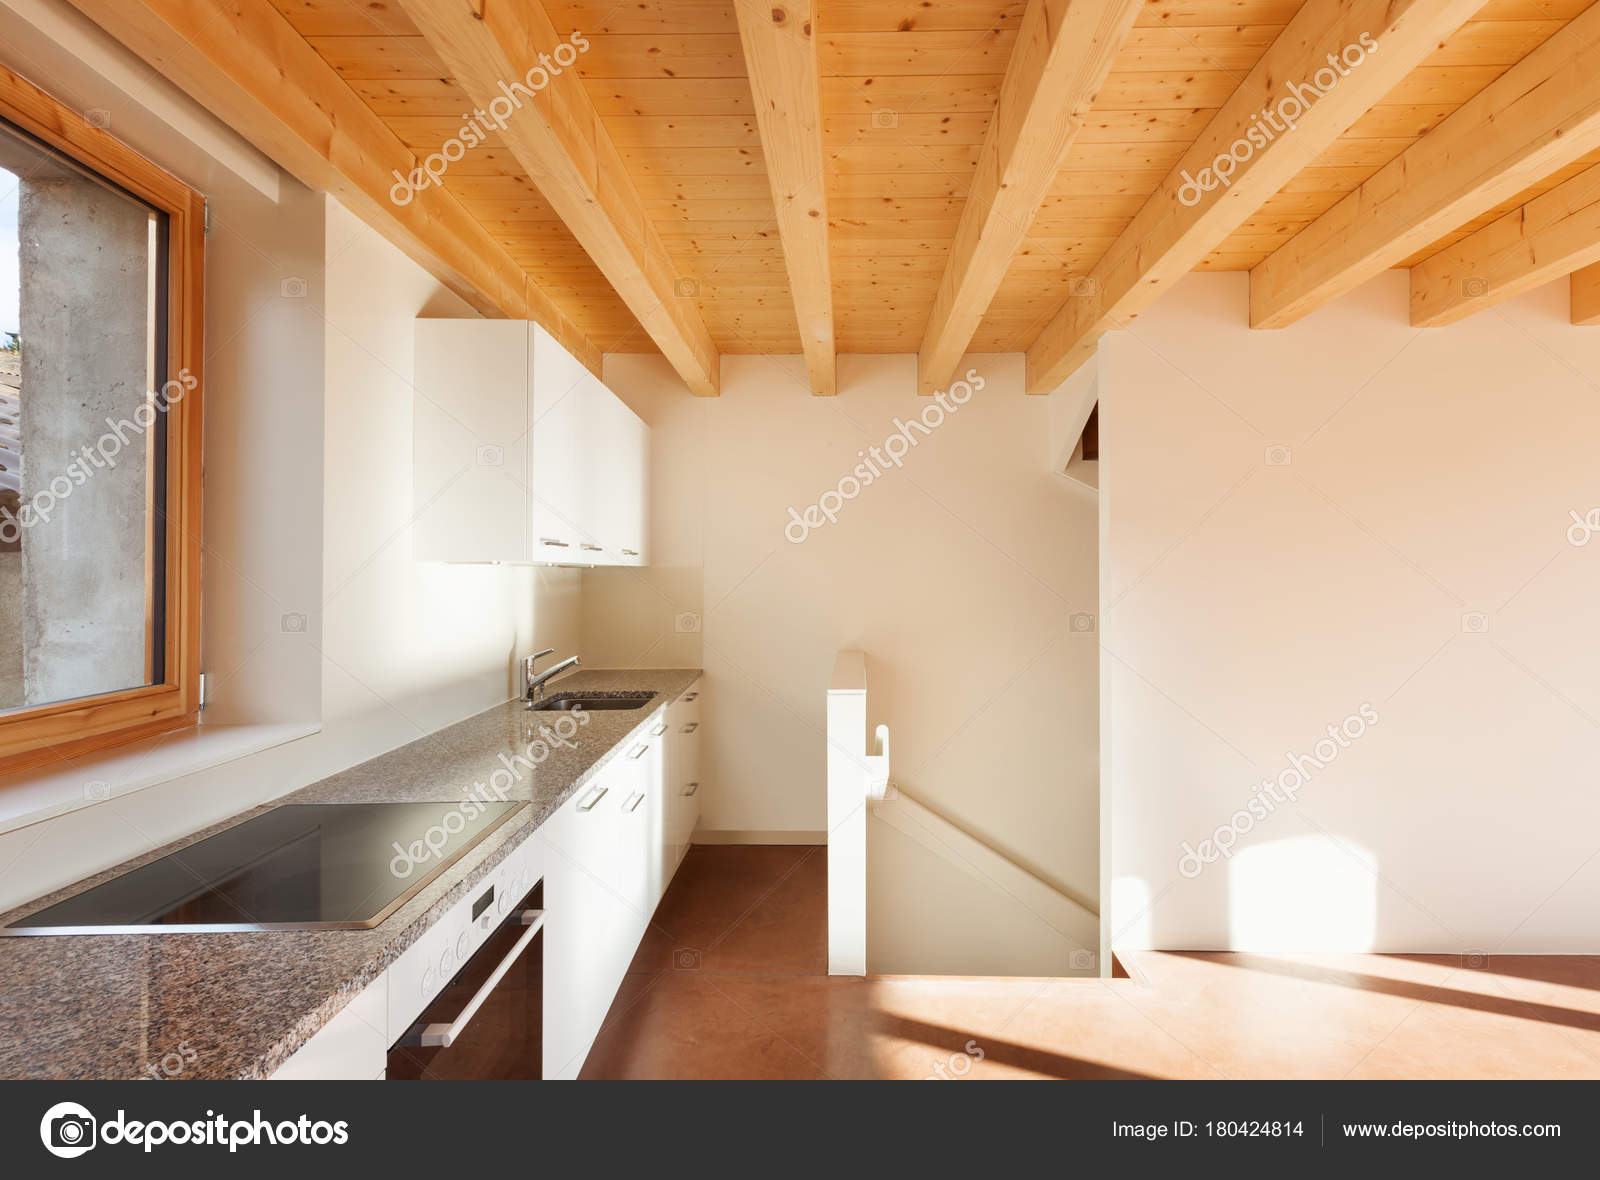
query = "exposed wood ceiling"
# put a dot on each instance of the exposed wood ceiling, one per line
(907, 89)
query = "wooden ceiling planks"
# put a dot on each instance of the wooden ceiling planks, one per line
(907, 91)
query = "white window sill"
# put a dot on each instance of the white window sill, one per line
(40, 794)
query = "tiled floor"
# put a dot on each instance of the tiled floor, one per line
(731, 982)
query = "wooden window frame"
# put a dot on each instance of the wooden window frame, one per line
(69, 729)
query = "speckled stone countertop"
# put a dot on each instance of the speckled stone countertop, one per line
(238, 1005)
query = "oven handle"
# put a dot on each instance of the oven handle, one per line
(445, 1035)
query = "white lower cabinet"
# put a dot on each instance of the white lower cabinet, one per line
(611, 851)
(596, 850)
(606, 855)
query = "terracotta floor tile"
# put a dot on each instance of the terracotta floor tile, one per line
(683, 1027)
(731, 982)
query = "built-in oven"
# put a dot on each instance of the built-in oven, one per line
(469, 993)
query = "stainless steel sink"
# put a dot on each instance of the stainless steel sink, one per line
(569, 702)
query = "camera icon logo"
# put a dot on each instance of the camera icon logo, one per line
(98, 117)
(1474, 287)
(1475, 623)
(1278, 455)
(1083, 622)
(293, 623)
(685, 959)
(1083, 287)
(67, 1130)
(687, 288)
(490, 455)
(885, 118)
(1083, 960)
(294, 288)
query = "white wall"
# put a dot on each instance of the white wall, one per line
(308, 487)
(958, 576)
(1252, 603)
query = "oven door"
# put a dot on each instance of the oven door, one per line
(487, 1023)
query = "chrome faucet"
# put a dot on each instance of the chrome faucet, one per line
(533, 685)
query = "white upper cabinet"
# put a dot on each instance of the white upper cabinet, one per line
(521, 453)
(470, 447)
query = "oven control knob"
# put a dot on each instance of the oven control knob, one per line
(462, 944)
(444, 962)
(427, 982)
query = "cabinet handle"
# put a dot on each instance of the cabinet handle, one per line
(693, 787)
(590, 548)
(553, 543)
(691, 727)
(633, 803)
(690, 696)
(640, 750)
(630, 553)
(598, 794)
(659, 730)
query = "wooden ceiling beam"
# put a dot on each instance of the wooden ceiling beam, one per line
(1169, 237)
(1064, 50)
(1584, 289)
(780, 50)
(499, 50)
(245, 63)
(1540, 115)
(1553, 235)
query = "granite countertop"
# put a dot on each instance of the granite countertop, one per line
(238, 1005)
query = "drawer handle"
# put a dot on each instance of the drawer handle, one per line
(445, 1035)
(588, 804)
(633, 803)
(630, 553)
(693, 787)
(691, 727)
(554, 544)
(691, 696)
(659, 730)
(591, 548)
(640, 750)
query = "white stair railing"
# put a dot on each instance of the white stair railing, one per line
(854, 775)
(859, 785)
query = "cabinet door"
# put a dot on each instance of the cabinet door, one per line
(646, 818)
(470, 442)
(560, 413)
(654, 776)
(622, 445)
(592, 919)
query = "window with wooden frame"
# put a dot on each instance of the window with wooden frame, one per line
(101, 270)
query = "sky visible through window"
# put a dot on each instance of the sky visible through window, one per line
(10, 276)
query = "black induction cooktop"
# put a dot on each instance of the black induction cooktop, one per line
(302, 866)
